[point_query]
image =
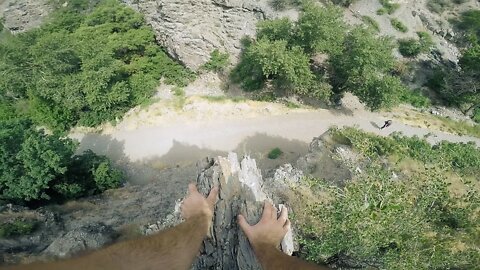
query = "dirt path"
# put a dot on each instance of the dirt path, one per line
(213, 129)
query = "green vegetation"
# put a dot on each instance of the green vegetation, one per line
(85, 66)
(381, 11)
(40, 167)
(17, 228)
(363, 69)
(439, 6)
(344, 3)
(460, 87)
(283, 56)
(419, 212)
(275, 153)
(412, 47)
(369, 21)
(388, 6)
(280, 54)
(470, 23)
(218, 61)
(459, 127)
(398, 25)
(283, 4)
(476, 116)
(415, 98)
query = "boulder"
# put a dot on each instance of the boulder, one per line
(91, 236)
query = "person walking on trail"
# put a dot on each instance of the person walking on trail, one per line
(177, 247)
(387, 124)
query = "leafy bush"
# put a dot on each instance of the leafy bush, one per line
(415, 98)
(476, 116)
(389, 7)
(85, 66)
(37, 166)
(381, 11)
(344, 3)
(369, 21)
(470, 22)
(470, 60)
(218, 61)
(275, 153)
(409, 47)
(412, 47)
(398, 25)
(438, 6)
(17, 228)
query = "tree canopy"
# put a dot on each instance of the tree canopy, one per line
(356, 60)
(37, 166)
(85, 66)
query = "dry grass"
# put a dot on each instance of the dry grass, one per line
(439, 123)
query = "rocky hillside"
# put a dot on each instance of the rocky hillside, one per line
(191, 30)
(63, 230)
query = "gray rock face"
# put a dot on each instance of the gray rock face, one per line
(190, 30)
(325, 161)
(91, 236)
(22, 15)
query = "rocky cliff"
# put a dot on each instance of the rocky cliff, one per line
(191, 29)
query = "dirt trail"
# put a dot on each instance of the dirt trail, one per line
(189, 135)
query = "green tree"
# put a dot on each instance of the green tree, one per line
(30, 160)
(320, 29)
(88, 64)
(365, 61)
(38, 166)
(277, 29)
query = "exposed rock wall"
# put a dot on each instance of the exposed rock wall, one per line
(22, 15)
(190, 30)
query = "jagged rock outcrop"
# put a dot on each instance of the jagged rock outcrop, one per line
(22, 15)
(241, 191)
(190, 30)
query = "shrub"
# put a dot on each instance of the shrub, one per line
(344, 3)
(412, 47)
(283, 4)
(438, 6)
(415, 98)
(369, 21)
(409, 47)
(17, 228)
(381, 11)
(398, 25)
(218, 61)
(476, 116)
(275, 153)
(389, 7)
